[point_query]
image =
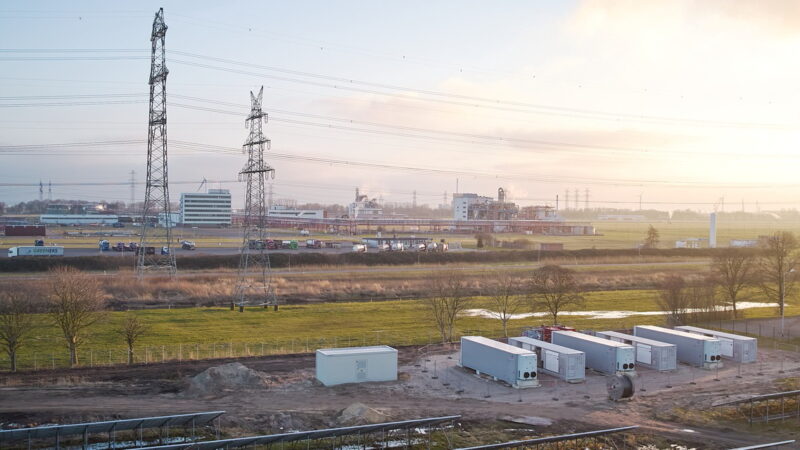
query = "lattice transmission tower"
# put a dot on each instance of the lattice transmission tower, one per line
(155, 253)
(254, 285)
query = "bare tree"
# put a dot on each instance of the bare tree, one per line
(554, 289)
(776, 265)
(733, 272)
(448, 300)
(17, 320)
(76, 303)
(702, 299)
(652, 239)
(673, 299)
(131, 330)
(505, 302)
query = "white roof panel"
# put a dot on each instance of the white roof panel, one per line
(345, 351)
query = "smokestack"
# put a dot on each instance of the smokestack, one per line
(712, 231)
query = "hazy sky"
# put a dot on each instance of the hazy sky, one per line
(682, 102)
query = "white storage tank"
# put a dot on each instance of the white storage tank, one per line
(562, 362)
(656, 355)
(743, 349)
(602, 355)
(693, 349)
(356, 364)
(505, 362)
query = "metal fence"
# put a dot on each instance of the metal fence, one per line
(761, 327)
(94, 356)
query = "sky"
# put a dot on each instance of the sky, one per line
(677, 104)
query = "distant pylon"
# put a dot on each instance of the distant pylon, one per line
(41, 190)
(586, 199)
(49, 190)
(414, 200)
(155, 253)
(254, 284)
(577, 200)
(133, 188)
(566, 199)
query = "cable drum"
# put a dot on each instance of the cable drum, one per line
(620, 387)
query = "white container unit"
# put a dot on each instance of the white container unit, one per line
(693, 349)
(562, 362)
(656, 355)
(356, 364)
(505, 362)
(738, 348)
(602, 355)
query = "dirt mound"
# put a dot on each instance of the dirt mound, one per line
(359, 413)
(226, 378)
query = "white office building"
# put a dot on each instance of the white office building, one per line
(463, 202)
(212, 208)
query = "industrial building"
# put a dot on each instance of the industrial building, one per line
(475, 207)
(78, 219)
(288, 211)
(212, 208)
(356, 364)
(364, 207)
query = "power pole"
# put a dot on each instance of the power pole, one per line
(41, 191)
(254, 285)
(133, 188)
(586, 199)
(414, 200)
(577, 200)
(566, 199)
(49, 190)
(155, 254)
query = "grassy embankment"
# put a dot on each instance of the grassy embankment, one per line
(213, 331)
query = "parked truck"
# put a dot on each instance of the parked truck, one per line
(14, 252)
(313, 243)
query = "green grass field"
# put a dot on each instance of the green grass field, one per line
(214, 332)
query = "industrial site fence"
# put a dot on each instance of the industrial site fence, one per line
(91, 356)
(769, 328)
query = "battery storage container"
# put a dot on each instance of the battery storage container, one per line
(562, 362)
(602, 355)
(693, 349)
(661, 356)
(743, 349)
(515, 366)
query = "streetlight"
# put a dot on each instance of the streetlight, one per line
(783, 299)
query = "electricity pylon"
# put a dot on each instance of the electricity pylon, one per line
(155, 253)
(254, 284)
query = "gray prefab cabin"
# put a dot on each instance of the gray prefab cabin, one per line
(602, 355)
(562, 362)
(356, 364)
(693, 349)
(656, 355)
(501, 361)
(738, 348)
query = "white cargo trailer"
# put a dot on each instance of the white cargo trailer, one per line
(656, 355)
(562, 362)
(602, 355)
(505, 362)
(356, 364)
(51, 250)
(693, 349)
(743, 349)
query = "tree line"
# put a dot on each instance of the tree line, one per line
(734, 277)
(73, 301)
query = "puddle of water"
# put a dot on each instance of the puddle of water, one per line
(489, 314)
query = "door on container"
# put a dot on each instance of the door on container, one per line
(747, 351)
(726, 347)
(644, 354)
(361, 369)
(551, 361)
